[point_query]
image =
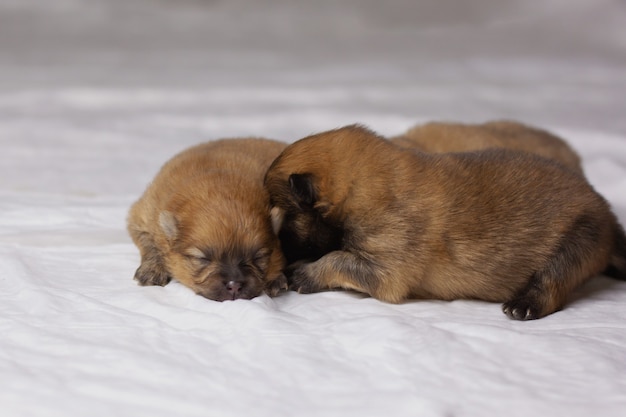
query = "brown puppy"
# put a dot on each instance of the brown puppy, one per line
(439, 137)
(205, 221)
(494, 225)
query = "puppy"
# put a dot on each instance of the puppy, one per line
(438, 137)
(205, 222)
(494, 225)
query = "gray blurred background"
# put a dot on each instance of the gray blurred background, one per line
(128, 75)
(173, 42)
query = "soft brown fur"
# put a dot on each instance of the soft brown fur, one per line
(494, 225)
(439, 137)
(204, 221)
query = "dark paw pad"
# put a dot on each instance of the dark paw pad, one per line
(521, 309)
(147, 274)
(276, 286)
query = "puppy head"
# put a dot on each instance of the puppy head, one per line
(308, 184)
(301, 220)
(222, 249)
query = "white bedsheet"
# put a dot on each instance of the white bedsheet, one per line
(95, 96)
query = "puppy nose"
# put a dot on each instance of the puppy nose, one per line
(233, 288)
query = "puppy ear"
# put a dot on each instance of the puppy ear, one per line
(302, 189)
(168, 224)
(277, 216)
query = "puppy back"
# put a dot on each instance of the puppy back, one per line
(442, 137)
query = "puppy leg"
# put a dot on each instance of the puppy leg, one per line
(530, 302)
(578, 257)
(276, 285)
(341, 269)
(152, 270)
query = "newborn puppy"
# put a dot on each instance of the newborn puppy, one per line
(205, 222)
(438, 137)
(494, 225)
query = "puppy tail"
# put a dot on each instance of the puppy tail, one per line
(617, 264)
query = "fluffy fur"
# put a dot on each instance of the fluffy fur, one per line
(439, 137)
(205, 222)
(494, 225)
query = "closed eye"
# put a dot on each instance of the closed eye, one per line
(196, 254)
(203, 259)
(261, 258)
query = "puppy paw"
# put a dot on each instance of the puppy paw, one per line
(291, 268)
(148, 274)
(302, 282)
(522, 308)
(276, 286)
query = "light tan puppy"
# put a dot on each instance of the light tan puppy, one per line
(494, 225)
(205, 221)
(439, 137)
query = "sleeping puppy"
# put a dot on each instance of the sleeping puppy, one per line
(494, 225)
(205, 222)
(438, 137)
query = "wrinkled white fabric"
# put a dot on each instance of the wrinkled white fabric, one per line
(96, 96)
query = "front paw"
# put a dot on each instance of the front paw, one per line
(151, 274)
(291, 268)
(303, 281)
(276, 286)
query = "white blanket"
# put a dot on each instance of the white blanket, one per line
(95, 96)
